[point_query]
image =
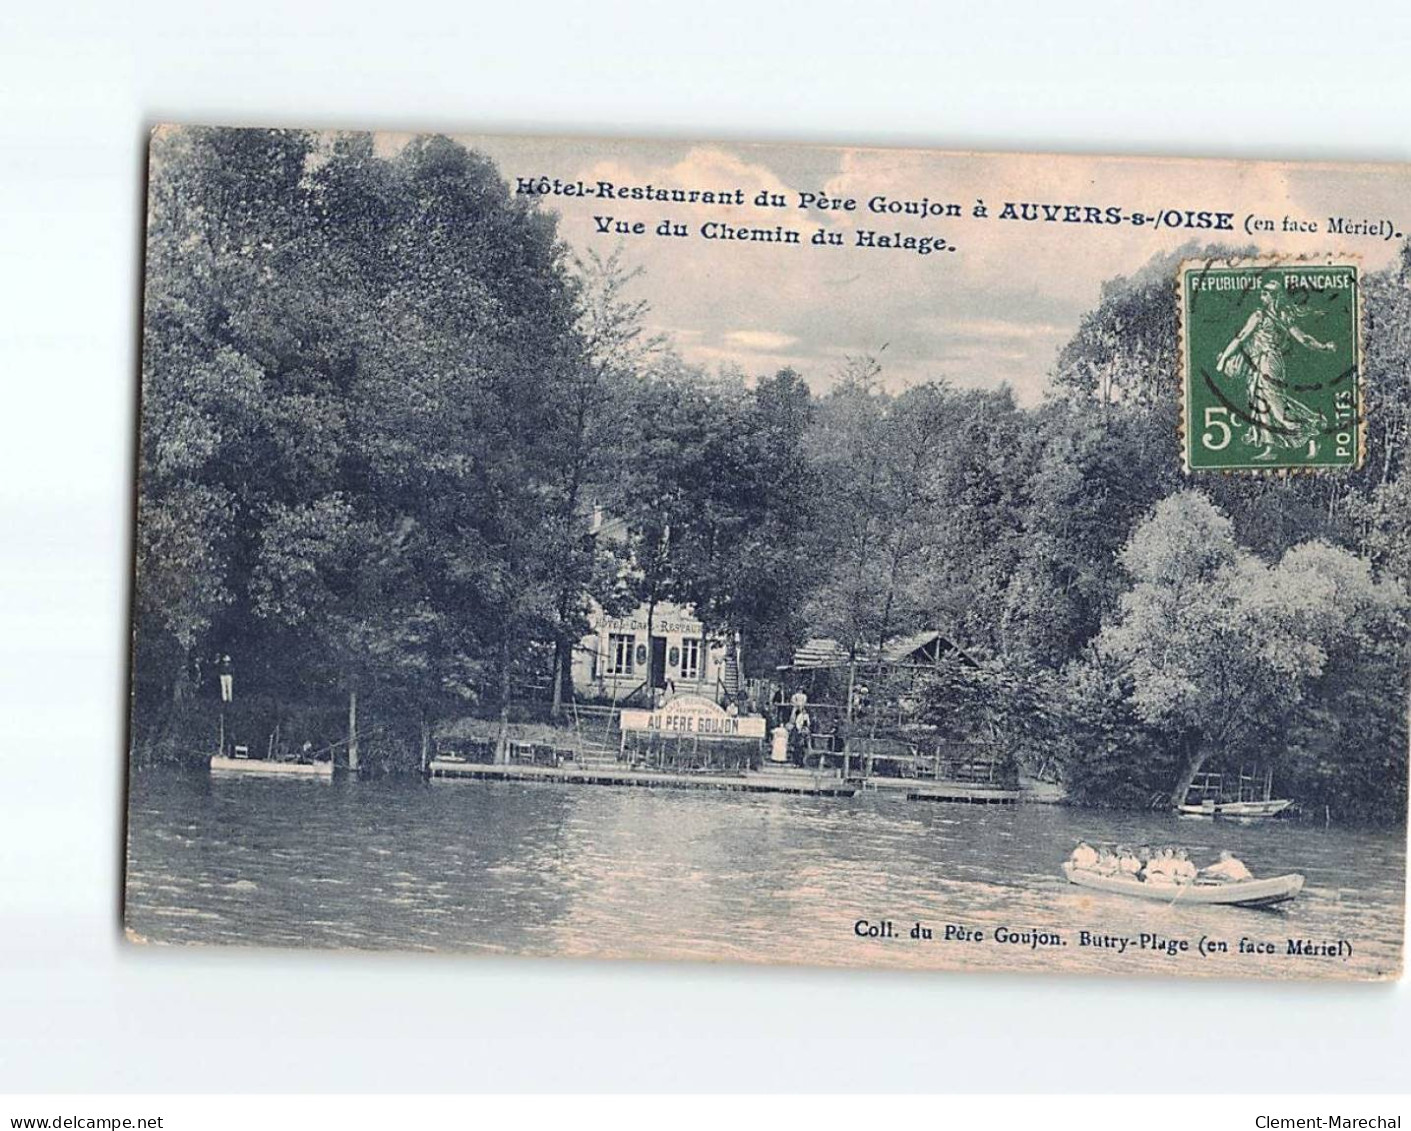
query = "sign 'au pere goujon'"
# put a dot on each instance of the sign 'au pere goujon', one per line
(695, 716)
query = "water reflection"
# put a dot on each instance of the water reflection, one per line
(636, 873)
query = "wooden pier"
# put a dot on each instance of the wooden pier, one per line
(964, 794)
(929, 789)
(804, 782)
(783, 780)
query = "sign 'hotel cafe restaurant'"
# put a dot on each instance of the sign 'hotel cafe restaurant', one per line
(621, 659)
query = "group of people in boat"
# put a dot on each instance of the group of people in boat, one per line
(1170, 864)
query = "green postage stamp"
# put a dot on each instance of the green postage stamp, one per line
(1271, 355)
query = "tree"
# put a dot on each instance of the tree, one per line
(974, 456)
(1005, 699)
(616, 352)
(676, 466)
(846, 449)
(1109, 756)
(769, 566)
(464, 354)
(354, 414)
(1218, 649)
(221, 222)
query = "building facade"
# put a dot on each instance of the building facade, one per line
(622, 660)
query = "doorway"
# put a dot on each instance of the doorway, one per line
(658, 661)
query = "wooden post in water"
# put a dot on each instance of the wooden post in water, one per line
(502, 737)
(852, 685)
(353, 730)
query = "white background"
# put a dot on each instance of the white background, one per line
(79, 84)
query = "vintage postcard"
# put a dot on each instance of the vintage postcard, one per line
(775, 554)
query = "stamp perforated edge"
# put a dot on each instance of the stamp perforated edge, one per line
(1265, 262)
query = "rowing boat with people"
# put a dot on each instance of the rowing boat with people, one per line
(1242, 893)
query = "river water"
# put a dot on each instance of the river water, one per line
(548, 869)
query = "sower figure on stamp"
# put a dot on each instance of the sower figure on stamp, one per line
(1258, 355)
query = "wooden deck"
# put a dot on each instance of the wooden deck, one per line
(965, 794)
(928, 789)
(772, 780)
(803, 782)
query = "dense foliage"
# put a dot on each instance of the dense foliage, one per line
(381, 402)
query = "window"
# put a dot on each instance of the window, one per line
(620, 653)
(691, 658)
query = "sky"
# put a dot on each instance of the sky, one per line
(994, 311)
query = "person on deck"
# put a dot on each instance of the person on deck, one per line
(797, 702)
(779, 743)
(1183, 871)
(1228, 869)
(803, 728)
(1084, 856)
(1128, 865)
(838, 736)
(861, 701)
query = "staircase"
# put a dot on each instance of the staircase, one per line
(596, 726)
(592, 756)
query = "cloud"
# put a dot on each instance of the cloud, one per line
(762, 341)
(676, 334)
(993, 328)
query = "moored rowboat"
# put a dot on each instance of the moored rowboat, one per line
(1236, 808)
(220, 765)
(1244, 893)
